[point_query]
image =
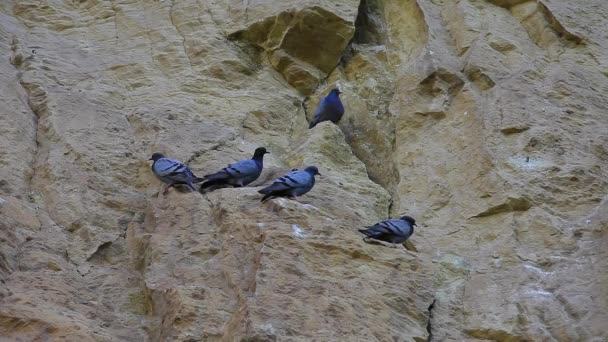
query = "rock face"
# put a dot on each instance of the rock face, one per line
(483, 119)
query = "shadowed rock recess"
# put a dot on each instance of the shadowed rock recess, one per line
(483, 119)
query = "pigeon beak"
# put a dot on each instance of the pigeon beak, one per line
(150, 159)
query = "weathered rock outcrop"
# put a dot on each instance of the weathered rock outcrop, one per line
(483, 119)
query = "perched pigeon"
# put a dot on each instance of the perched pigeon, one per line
(293, 184)
(391, 230)
(173, 172)
(240, 173)
(330, 108)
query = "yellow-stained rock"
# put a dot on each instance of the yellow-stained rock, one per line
(485, 120)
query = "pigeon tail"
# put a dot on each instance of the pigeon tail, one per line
(267, 197)
(277, 189)
(212, 182)
(266, 190)
(365, 232)
(275, 193)
(218, 176)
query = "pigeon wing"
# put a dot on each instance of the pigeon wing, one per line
(237, 170)
(335, 110)
(171, 168)
(397, 227)
(292, 180)
(391, 227)
(319, 114)
(243, 168)
(380, 228)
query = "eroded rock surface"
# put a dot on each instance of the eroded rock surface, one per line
(483, 119)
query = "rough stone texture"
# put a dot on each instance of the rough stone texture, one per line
(483, 119)
(304, 42)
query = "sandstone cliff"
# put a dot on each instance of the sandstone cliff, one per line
(486, 120)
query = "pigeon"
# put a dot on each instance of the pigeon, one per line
(293, 184)
(240, 173)
(330, 108)
(391, 230)
(173, 172)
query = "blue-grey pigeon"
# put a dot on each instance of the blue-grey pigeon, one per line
(391, 230)
(291, 185)
(330, 108)
(238, 174)
(173, 172)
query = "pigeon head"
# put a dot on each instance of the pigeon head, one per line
(312, 170)
(335, 92)
(409, 219)
(156, 156)
(259, 153)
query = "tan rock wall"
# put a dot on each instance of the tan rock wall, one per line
(485, 120)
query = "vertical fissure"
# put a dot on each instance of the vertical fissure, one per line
(429, 323)
(17, 60)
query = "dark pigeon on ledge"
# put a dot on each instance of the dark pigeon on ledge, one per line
(238, 174)
(173, 172)
(329, 109)
(391, 230)
(292, 185)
